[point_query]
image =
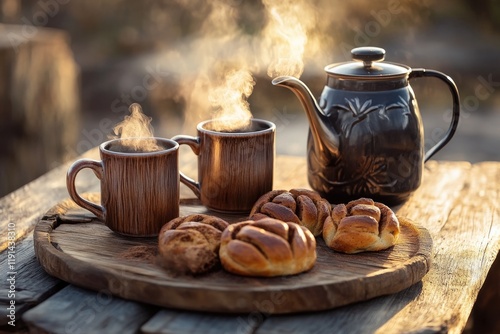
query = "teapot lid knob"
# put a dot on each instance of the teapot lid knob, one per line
(368, 54)
(367, 65)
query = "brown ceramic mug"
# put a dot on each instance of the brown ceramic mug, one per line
(139, 190)
(234, 168)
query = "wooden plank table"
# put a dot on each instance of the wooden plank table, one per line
(458, 203)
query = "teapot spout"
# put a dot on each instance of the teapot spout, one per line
(325, 140)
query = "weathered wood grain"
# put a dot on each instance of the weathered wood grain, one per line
(24, 207)
(77, 310)
(457, 202)
(174, 322)
(89, 254)
(32, 284)
(485, 312)
(466, 232)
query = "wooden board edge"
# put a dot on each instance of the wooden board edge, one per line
(61, 265)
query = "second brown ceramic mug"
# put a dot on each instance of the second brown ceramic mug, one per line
(234, 168)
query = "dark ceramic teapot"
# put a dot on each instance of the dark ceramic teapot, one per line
(366, 134)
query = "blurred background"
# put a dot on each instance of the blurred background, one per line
(70, 69)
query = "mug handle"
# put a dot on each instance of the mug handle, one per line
(73, 170)
(420, 72)
(194, 143)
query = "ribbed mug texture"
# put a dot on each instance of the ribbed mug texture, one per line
(139, 190)
(235, 169)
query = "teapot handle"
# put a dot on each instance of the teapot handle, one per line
(420, 72)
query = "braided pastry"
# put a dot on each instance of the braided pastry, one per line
(361, 225)
(301, 206)
(190, 244)
(267, 247)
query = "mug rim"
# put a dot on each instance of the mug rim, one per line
(271, 127)
(173, 146)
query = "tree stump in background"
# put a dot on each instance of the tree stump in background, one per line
(39, 103)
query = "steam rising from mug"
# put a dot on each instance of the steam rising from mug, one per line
(229, 101)
(136, 125)
(217, 64)
(285, 36)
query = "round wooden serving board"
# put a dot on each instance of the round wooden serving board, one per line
(73, 246)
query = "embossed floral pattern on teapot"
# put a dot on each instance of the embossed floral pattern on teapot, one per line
(366, 134)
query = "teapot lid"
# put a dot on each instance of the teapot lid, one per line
(368, 62)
